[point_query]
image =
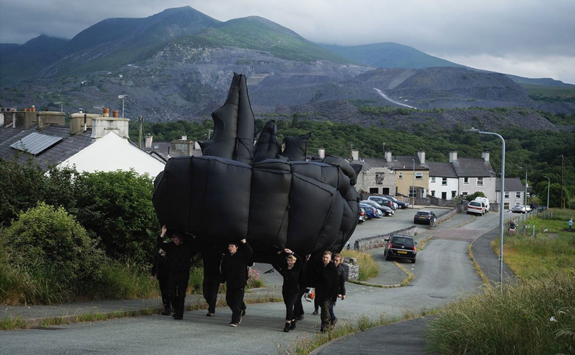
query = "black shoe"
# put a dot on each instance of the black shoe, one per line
(178, 317)
(166, 312)
(287, 327)
(243, 312)
(323, 328)
(210, 314)
(300, 318)
(334, 321)
(314, 313)
(292, 325)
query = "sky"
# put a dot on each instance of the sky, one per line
(529, 38)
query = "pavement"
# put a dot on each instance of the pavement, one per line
(370, 341)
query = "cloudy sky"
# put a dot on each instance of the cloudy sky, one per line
(531, 38)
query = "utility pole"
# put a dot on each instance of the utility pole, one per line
(141, 124)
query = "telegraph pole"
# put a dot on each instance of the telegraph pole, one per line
(140, 123)
(561, 204)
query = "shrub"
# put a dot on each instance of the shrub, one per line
(534, 317)
(52, 253)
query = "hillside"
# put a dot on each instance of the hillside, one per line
(178, 65)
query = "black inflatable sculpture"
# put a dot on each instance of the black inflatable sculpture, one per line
(275, 199)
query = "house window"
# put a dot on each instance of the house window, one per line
(453, 194)
(444, 182)
(479, 181)
(373, 190)
(518, 194)
(418, 176)
(507, 194)
(464, 193)
(506, 205)
(433, 180)
(379, 178)
(433, 193)
(444, 195)
(401, 175)
(466, 181)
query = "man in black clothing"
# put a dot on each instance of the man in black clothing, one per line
(326, 288)
(212, 258)
(337, 260)
(179, 254)
(234, 265)
(160, 270)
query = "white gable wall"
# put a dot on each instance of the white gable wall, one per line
(452, 184)
(111, 153)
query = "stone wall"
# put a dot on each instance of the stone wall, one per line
(378, 241)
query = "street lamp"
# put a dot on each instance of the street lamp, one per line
(502, 187)
(413, 182)
(122, 97)
(548, 186)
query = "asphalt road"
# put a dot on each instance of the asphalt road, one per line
(443, 272)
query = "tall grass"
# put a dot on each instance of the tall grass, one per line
(535, 317)
(368, 268)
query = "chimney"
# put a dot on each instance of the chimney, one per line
(354, 154)
(388, 156)
(485, 155)
(421, 156)
(149, 141)
(105, 112)
(115, 114)
(184, 138)
(452, 156)
(321, 153)
(81, 122)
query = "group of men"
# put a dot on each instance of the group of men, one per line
(173, 262)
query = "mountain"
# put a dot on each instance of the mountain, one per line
(178, 65)
(389, 55)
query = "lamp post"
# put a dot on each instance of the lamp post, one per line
(525, 194)
(122, 97)
(413, 183)
(548, 186)
(502, 187)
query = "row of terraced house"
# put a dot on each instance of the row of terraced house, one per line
(412, 177)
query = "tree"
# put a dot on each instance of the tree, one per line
(117, 207)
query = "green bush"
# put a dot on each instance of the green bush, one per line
(117, 207)
(536, 317)
(51, 253)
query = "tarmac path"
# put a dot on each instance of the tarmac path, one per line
(443, 272)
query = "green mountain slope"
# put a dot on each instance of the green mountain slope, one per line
(389, 55)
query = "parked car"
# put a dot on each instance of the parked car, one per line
(361, 215)
(485, 202)
(371, 212)
(528, 208)
(400, 246)
(383, 201)
(519, 208)
(386, 210)
(476, 207)
(400, 204)
(425, 217)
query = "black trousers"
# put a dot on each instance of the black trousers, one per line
(235, 300)
(210, 289)
(165, 290)
(178, 285)
(290, 298)
(298, 306)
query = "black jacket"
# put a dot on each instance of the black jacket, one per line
(178, 257)
(292, 277)
(326, 282)
(160, 267)
(234, 267)
(341, 279)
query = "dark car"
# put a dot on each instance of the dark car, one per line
(400, 247)
(382, 201)
(400, 204)
(425, 217)
(370, 212)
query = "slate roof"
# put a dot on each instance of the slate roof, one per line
(472, 167)
(405, 162)
(62, 150)
(442, 170)
(511, 184)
